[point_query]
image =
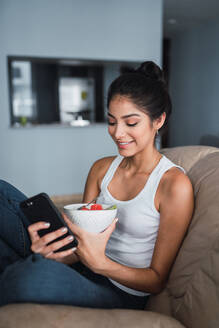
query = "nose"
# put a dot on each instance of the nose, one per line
(119, 131)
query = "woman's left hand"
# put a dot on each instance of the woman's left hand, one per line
(91, 246)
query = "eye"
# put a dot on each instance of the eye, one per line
(132, 124)
(111, 123)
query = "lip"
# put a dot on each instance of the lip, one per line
(124, 144)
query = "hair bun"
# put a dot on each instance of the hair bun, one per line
(150, 70)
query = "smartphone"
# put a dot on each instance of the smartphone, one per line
(41, 208)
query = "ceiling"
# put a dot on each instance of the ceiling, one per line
(181, 15)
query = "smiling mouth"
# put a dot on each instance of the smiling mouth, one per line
(124, 143)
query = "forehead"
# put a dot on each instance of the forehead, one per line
(121, 105)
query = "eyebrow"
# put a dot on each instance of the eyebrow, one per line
(125, 116)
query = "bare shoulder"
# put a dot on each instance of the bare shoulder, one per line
(100, 167)
(102, 164)
(176, 181)
(95, 177)
(175, 193)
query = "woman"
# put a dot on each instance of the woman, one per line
(131, 259)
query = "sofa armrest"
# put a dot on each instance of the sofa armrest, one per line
(54, 316)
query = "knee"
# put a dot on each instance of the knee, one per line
(3, 184)
(8, 191)
(5, 187)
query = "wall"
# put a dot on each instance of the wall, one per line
(56, 159)
(194, 81)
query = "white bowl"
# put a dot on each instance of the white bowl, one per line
(91, 220)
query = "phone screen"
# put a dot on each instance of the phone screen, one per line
(41, 208)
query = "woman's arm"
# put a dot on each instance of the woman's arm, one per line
(176, 208)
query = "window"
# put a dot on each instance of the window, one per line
(22, 95)
(69, 92)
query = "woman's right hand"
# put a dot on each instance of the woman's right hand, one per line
(41, 245)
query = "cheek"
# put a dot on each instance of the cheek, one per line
(144, 133)
(110, 130)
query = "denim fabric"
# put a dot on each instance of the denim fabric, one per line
(14, 238)
(28, 277)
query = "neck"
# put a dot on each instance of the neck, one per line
(143, 163)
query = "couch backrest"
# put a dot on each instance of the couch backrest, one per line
(192, 292)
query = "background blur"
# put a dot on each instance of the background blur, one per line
(181, 36)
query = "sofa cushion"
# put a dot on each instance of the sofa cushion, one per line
(60, 316)
(193, 282)
(187, 156)
(194, 279)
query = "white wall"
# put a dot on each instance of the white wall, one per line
(56, 159)
(194, 86)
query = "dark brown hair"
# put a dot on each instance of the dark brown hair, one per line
(146, 88)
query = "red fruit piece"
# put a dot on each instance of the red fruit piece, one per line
(95, 207)
(85, 209)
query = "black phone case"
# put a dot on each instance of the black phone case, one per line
(41, 208)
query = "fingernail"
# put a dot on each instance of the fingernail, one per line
(47, 224)
(49, 254)
(74, 249)
(70, 238)
(64, 229)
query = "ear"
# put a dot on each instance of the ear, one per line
(159, 122)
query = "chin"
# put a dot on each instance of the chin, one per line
(125, 153)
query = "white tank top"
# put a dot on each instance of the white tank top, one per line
(132, 242)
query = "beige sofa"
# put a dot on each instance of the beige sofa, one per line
(191, 297)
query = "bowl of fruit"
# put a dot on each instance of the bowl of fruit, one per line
(93, 217)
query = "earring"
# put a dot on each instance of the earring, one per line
(157, 133)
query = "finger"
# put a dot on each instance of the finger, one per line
(35, 227)
(39, 245)
(60, 255)
(45, 245)
(77, 231)
(66, 219)
(108, 231)
(52, 236)
(57, 245)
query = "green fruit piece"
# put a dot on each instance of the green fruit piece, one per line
(113, 207)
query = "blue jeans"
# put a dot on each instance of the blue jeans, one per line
(28, 277)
